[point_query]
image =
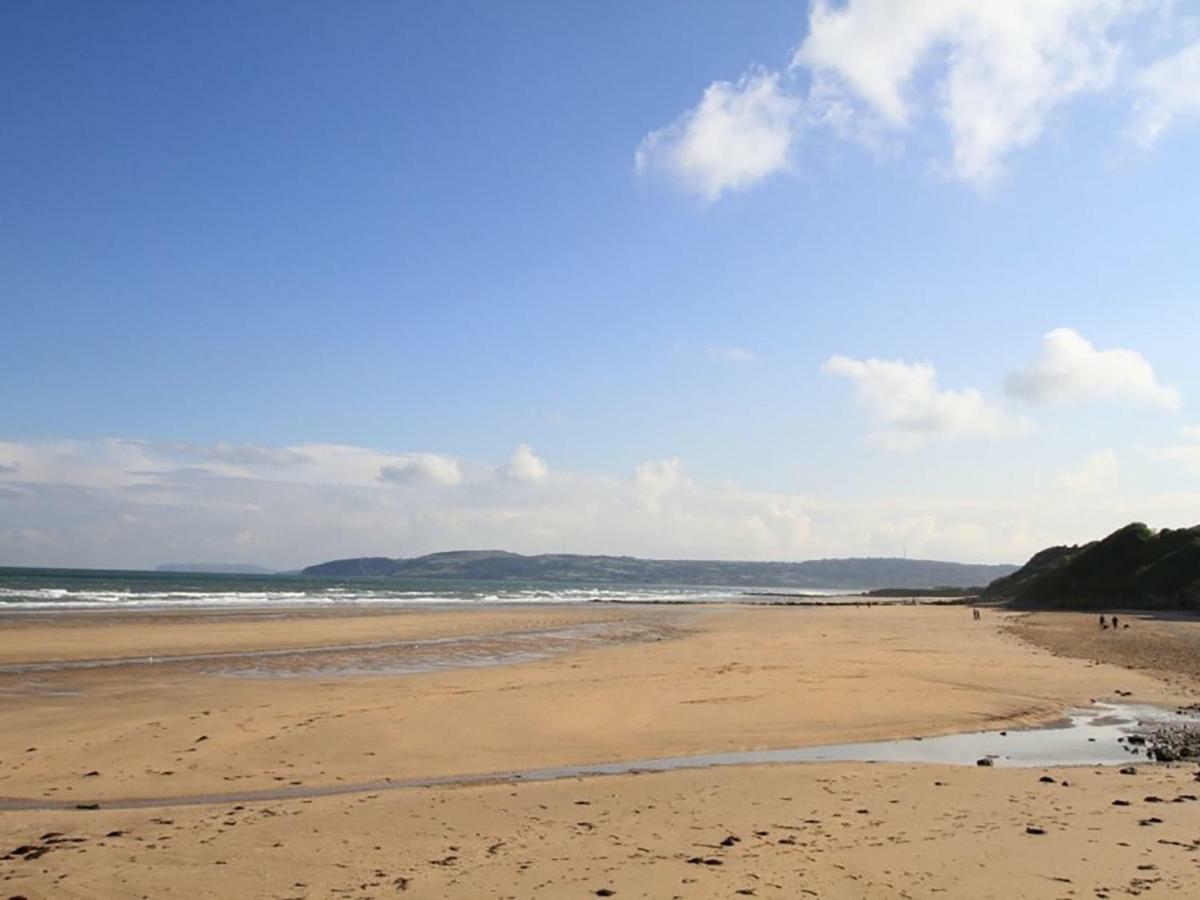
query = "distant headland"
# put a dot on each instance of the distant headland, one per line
(817, 574)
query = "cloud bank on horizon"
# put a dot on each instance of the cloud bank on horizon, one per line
(136, 502)
(993, 76)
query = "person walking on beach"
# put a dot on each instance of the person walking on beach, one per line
(1103, 623)
(975, 614)
(1114, 623)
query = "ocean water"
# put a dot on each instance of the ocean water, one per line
(56, 590)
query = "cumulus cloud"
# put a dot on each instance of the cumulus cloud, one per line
(738, 135)
(993, 75)
(1097, 471)
(525, 466)
(421, 468)
(999, 70)
(1069, 369)
(1166, 90)
(732, 354)
(652, 481)
(906, 398)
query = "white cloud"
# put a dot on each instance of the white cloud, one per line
(732, 354)
(994, 75)
(129, 503)
(1166, 89)
(907, 399)
(652, 481)
(1097, 471)
(525, 466)
(421, 468)
(1069, 369)
(1187, 453)
(999, 70)
(738, 135)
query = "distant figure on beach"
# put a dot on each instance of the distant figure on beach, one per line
(975, 614)
(1114, 623)
(1103, 623)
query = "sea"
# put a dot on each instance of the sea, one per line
(60, 590)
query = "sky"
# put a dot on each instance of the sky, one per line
(285, 282)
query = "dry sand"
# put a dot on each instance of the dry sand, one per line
(695, 680)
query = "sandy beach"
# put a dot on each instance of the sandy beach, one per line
(609, 683)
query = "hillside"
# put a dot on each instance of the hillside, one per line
(1134, 567)
(818, 574)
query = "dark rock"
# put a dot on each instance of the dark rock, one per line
(1129, 770)
(87, 805)
(984, 761)
(1152, 799)
(606, 892)
(730, 841)
(1046, 779)
(91, 774)
(1033, 829)
(1120, 803)
(1153, 820)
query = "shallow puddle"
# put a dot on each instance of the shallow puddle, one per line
(1105, 734)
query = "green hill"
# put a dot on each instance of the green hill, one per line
(816, 574)
(1135, 567)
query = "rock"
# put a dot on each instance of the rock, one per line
(1120, 803)
(87, 805)
(1046, 779)
(1153, 820)
(605, 892)
(984, 761)
(1152, 799)
(730, 841)
(1129, 770)
(1033, 829)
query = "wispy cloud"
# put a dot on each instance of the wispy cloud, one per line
(1166, 90)
(732, 354)
(1097, 471)
(1186, 452)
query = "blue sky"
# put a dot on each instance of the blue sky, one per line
(583, 277)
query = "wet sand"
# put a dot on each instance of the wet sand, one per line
(670, 682)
